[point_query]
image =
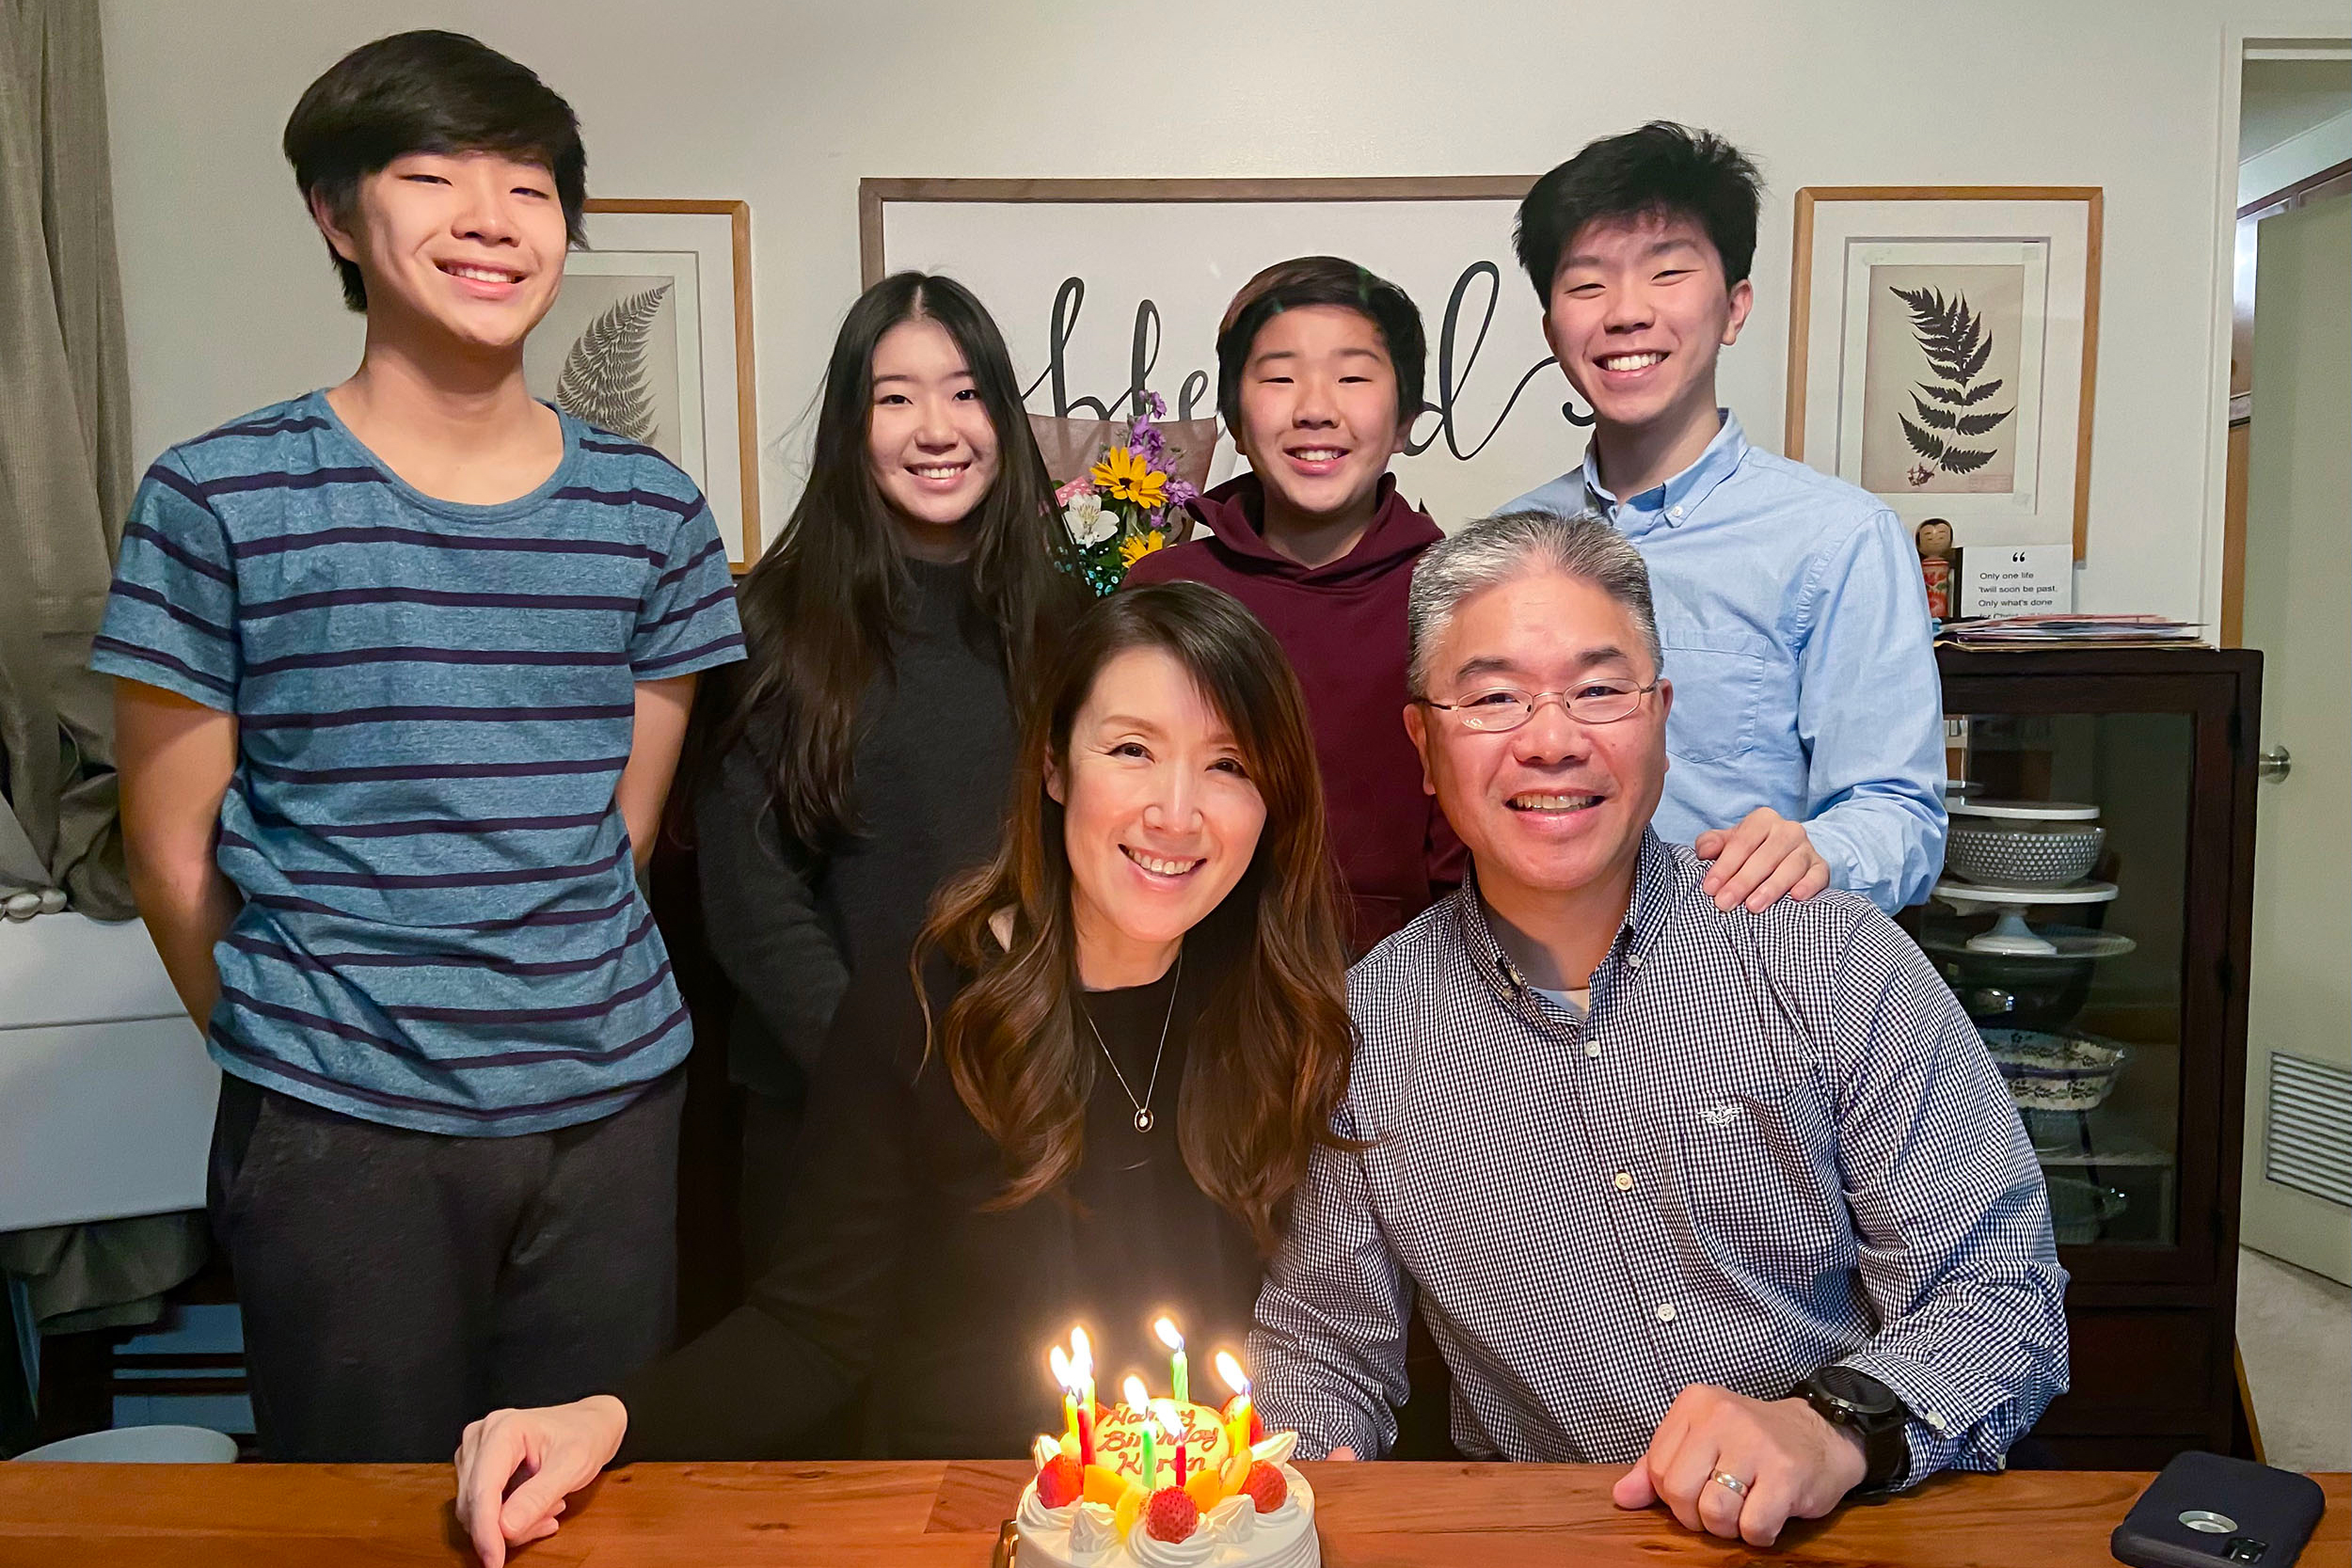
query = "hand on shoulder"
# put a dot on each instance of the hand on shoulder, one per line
(1762, 860)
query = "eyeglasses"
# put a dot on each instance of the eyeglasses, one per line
(1504, 707)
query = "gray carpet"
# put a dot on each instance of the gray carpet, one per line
(2294, 1330)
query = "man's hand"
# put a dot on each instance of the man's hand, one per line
(1765, 857)
(1793, 1464)
(553, 1452)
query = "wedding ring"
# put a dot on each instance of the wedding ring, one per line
(1726, 1478)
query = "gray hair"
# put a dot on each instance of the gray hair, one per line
(1496, 549)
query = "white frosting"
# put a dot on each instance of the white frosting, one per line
(1151, 1552)
(1230, 1521)
(1094, 1534)
(1276, 1449)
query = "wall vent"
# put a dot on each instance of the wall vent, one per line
(2309, 1146)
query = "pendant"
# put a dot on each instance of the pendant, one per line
(1143, 1119)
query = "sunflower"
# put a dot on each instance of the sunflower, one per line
(1137, 546)
(1129, 478)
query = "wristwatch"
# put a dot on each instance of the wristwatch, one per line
(1869, 1409)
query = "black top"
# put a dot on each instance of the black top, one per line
(789, 923)
(890, 1278)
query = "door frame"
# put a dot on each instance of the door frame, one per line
(2221, 591)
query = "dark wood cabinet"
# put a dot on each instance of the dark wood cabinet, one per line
(2145, 1185)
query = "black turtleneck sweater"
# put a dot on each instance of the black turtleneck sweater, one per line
(790, 922)
(892, 1279)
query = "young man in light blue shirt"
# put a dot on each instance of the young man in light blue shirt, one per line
(1806, 735)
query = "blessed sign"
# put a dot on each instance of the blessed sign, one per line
(1107, 287)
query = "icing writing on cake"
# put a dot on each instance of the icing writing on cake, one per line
(1119, 1439)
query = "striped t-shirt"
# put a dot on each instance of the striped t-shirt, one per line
(441, 926)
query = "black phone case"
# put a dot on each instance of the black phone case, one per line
(2271, 1515)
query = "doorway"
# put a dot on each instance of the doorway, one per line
(2287, 569)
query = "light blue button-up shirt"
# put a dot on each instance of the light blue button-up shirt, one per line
(1797, 637)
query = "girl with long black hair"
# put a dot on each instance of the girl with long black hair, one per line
(860, 757)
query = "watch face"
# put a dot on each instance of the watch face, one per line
(1863, 1393)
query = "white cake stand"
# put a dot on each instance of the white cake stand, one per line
(2010, 934)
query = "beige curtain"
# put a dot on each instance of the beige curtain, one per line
(65, 461)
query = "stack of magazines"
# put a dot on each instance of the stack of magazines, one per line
(2035, 631)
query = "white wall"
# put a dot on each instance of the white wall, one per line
(788, 105)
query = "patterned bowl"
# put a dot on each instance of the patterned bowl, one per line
(2020, 854)
(2045, 1072)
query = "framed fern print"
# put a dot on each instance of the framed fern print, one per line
(1943, 345)
(651, 339)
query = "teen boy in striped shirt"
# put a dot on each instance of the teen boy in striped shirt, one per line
(403, 668)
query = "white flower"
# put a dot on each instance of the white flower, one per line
(1087, 523)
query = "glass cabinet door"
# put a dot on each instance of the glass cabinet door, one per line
(2058, 922)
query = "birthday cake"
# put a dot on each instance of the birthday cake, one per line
(1165, 1483)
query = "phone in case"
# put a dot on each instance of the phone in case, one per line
(2205, 1509)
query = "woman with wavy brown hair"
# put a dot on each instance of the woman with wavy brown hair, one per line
(1089, 1103)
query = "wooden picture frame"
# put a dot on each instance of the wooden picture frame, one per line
(686, 241)
(1107, 289)
(873, 194)
(2052, 234)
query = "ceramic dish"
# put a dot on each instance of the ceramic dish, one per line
(2019, 854)
(2023, 811)
(2021, 991)
(2049, 1071)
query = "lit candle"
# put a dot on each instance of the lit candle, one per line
(1081, 1357)
(1065, 1375)
(1175, 1342)
(1238, 1413)
(1166, 1411)
(1133, 1388)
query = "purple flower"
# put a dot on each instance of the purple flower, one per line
(1180, 493)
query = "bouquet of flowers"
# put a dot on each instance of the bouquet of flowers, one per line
(1118, 510)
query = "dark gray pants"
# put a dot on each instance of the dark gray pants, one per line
(397, 1283)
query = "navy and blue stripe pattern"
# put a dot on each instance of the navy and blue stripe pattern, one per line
(442, 927)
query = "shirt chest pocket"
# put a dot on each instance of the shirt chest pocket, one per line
(1719, 690)
(1755, 1168)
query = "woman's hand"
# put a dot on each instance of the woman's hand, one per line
(553, 1452)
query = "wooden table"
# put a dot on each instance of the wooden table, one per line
(848, 1515)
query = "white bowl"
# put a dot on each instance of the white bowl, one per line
(2019, 855)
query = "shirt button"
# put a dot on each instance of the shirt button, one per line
(1592, 1048)
(1665, 1311)
(1625, 1181)
(1673, 511)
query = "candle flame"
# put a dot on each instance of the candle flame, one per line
(1166, 1411)
(1229, 1370)
(1169, 1337)
(1062, 1372)
(1081, 1348)
(1133, 1388)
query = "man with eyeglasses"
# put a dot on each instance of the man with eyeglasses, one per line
(1733, 1197)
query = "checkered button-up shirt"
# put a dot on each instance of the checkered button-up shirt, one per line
(1775, 1143)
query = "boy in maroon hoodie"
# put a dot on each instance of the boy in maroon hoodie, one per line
(1319, 369)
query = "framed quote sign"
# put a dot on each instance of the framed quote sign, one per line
(1105, 287)
(1943, 345)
